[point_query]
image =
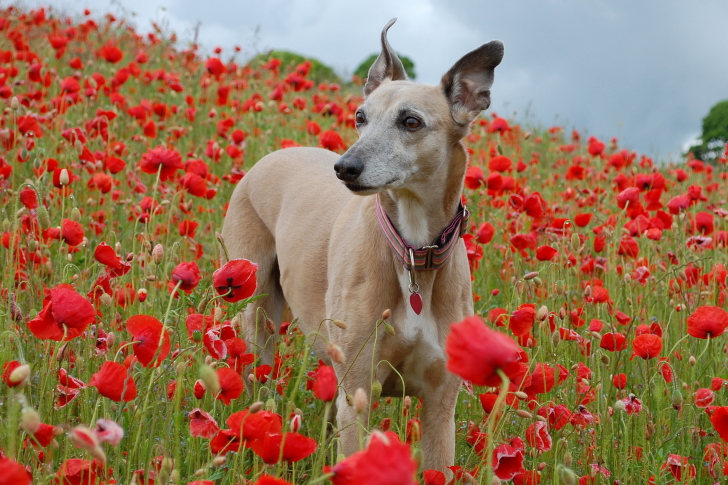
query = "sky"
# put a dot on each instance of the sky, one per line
(646, 71)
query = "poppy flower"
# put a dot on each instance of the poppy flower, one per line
(77, 471)
(231, 385)
(500, 163)
(704, 397)
(187, 274)
(215, 66)
(71, 232)
(65, 315)
(385, 461)
(8, 368)
(268, 480)
(162, 160)
(647, 346)
(537, 436)
(331, 140)
(582, 220)
(13, 473)
(474, 177)
(114, 381)
(631, 404)
(108, 431)
(251, 426)
(676, 465)
(613, 342)
(521, 321)
(485, 233)
(236, 280)
(202, 424)
(707, 321)
(475, 352)
(289, 447)
(111, 54)
(150, 339)
(719, 419)
(507, 461)
(325, 385)
(545, 253)
(619, 381)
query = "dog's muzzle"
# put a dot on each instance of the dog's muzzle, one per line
(348, 168)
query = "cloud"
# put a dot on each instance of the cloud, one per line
(646, 72)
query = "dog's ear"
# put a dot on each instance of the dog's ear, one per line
(387, 65)
(467, 84)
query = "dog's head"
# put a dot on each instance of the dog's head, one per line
(407, 129)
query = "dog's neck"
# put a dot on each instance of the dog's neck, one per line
(420, 212)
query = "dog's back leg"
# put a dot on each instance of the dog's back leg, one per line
(246, 236)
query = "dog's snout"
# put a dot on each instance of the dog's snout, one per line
(348, 168)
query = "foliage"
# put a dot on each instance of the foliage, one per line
(715, 134)
(362, 71)
(320, 72)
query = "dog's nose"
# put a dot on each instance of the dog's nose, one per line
(348, 168)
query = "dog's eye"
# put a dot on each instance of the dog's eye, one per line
(412, 123)
(360, 118)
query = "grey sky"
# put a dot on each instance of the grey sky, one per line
(645, 71)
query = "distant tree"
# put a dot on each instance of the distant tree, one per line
(363, 70)
(715, 134)
(319, 72)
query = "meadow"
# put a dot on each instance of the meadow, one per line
(122, 359)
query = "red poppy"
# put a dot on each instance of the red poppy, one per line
(110, 53)
(619, 381)
(704, 397)
(289, 447)
(268, 480)
(13, 473)
(202, 424)
(325, 385)
(187, 274)
(707, 321)
(613, 342)
(719, 419)
(507, 461)
(114, 381)
(386, 461)
(162, 160)
(475, 353)
(704, 223)
(76, 471)
(631, 404)
(231, 385)
(485, 233)
(8, 368)
(331, 140)
(106, 255)
(252, 426)
(65, 315)
(545, 253)
(150, 339)
(71, 232)
(676, 465)
(500, 163)
(236, 279)
(582, 220)
(647, 346)
(537, 436)
(521, 321)
(44, 435)
(29, 198)
(474, 177)
(628, 247)
(215, 66)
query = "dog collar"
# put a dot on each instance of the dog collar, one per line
(427, 257)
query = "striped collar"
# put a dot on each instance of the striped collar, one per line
(427, 257)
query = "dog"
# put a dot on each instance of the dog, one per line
(344, 238)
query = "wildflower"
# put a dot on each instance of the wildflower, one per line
(231, 385)
(15, 374)
(110, 53)
(537, 436)
(108, 431)
(162, 160)
(291, 447)
(187, 274)
(236, 280)
(324, 384)
(150, 339)
(707, 321)
(507, 461)
(114, 381)
(704, 397)
(65, 315)
(202, 424)
(385, 461)
(13, 473)
(613, 341)
(71, 232)
(476, 353)
(646, 346)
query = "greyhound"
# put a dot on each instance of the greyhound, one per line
(344, 238)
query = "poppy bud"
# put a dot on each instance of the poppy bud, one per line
(340, 324)
(568, 459)
(555, 339)
(44, 219)
(386, 314)
(14, 103)
(335, 352)
(496, 481)
(542, 312)
(376, 389)
(255, 407)
(29, 420)
(270, 405)
(209, 379)
(677, 399)
(270, 326)
(360, 400)
(202, 305)
(524, 414)
(295, 424)
(692, 360)
(142, 294)
(605, 359)
(75, 214)
(158, 254)
(560, 286)
(106, 299)
(219, 460)
(538, 281)
(64, 178)
(389, 329)
(85, 439)
(521, 395)
(575, 242)
(19, 376)
(530, 275)
(349, 400)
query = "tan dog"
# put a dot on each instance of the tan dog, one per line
(321, 248)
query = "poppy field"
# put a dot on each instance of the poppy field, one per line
(596, 355)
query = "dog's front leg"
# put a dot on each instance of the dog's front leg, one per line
(438, 424)
(351, 423)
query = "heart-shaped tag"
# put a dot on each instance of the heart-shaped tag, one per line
(416, 302)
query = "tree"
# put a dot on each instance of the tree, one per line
(715, 134)
(363, 70)
(319, 72)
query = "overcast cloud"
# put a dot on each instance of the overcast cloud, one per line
(644, 71)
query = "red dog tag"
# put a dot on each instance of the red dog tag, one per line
(416, 302)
